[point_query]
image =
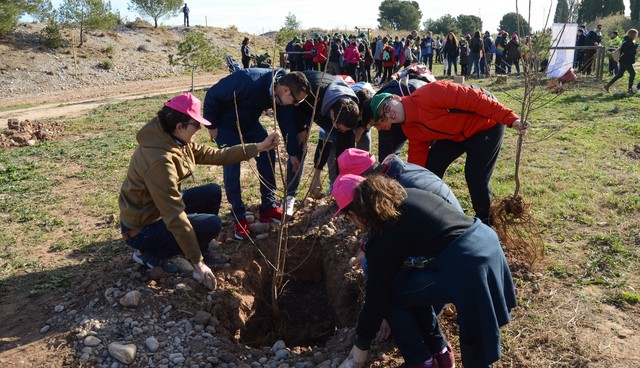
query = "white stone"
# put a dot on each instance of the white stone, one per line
(279, 345)
(131, 299)
(91, 341)
(58, 308)
(124, 353)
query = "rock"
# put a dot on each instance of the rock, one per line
(58, 308)
(91, 341)
(228, 357)
(176, 358)
(262, 236)
(263, 360)
(183, 265)
(260, 227)
(283, 354)
(202, 317)
(124, 353)
(279, 345)
(152, 344)
(131, 299)
(45, 329)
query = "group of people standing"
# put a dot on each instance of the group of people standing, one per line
(414, 231)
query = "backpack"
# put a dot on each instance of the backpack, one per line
(386, 55)
(314, 50)
(615, 55)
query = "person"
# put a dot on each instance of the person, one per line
(450, 51)
(308, 47)
(352, 57)
(475, 52)
(464, 58)
(512, 53)
(320, 49)
(406, 55)
(158, 219)
(501, 44)
(420, 252)
(614, 43)
(627, 59)
(388, 57)
(234, 106)
(360, 162)
(337, 52)
(246, 53)
(592, 38)
(459, 119)
(427, 46)
(296, 64)
(488, 49)
(185, 11)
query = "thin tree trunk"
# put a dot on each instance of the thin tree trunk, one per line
(193, 72)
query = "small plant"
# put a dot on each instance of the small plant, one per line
(195, 52)
(110, 50)
(106, 65)
(50, 35)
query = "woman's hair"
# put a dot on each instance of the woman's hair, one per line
(633, 33)
(245, 41)
(170, 118)
(455, 39)
(376, 201)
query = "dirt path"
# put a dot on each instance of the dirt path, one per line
(77, 102)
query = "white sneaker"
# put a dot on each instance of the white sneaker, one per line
(289, 205)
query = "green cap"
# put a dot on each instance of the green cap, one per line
(376, 101)
(362, 35)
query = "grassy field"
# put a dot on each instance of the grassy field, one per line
(580, 306)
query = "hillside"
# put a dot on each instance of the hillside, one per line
(31, 73)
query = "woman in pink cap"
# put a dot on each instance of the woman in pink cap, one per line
(454, 259)
(158, 219)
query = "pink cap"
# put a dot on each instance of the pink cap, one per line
(187, 104)
(343, 188)
(355, 161)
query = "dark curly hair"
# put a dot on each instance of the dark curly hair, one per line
(346, 112)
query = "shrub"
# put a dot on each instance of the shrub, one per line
(110, 50)
(106, 65)
(50, 35)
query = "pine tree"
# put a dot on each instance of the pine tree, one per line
(634, 6)
(87, 15)
(562, 12)
(195, 52)
(156, 9)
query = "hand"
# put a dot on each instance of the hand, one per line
(383, 332)
(213, 133)
(316, 184)
(295, 163)
(203, 273)
(269, 143)
(302, 138)
(357, 357)
(520, 126)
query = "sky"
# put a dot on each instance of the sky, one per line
(260, 16)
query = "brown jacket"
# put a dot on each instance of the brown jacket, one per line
(151, 190)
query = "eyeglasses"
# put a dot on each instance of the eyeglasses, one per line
(386, 109)
(196, 125)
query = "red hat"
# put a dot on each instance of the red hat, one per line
(343, 189)
(467, 36)
(355, 161)
(514, 36)
(189, 105)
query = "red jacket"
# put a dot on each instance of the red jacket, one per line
(321, 52)
(445, 110)
(308, 46)
(351, 54)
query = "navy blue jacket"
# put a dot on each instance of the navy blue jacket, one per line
(253, 92)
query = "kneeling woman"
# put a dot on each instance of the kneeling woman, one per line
(455, 259)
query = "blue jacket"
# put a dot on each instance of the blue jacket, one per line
(253, 91)
(414, 176)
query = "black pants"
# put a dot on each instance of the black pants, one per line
(390, 141)
(623, 67)
(482, 153)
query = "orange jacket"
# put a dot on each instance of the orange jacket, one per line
(321, 52)
(445, 110)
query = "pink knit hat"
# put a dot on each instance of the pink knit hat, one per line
(355, 161)
(343, 188)
(189, 105)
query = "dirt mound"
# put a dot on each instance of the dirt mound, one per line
(27, 133)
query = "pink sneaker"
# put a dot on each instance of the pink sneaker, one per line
(445, 359)
(273, 215)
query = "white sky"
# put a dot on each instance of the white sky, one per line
(259, 16)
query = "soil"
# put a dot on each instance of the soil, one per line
(233, 326)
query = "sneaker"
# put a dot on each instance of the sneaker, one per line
(445, 358)
(272, 215)
(606, 87)
(290, 202)
(241, 230)
(631, 91)
(151, 262)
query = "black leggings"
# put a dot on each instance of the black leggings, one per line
(623, 67)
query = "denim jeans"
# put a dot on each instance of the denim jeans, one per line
(265, 163)
(201, 206)
(413, 320)
(427, 59)
(474, 62)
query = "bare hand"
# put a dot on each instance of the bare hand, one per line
(269, 143)
(295, 163)
(203, 273)
(213, 133)
(302, 138)
(383, 332)
(520, 126)
(356, 358)
(316, 184)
